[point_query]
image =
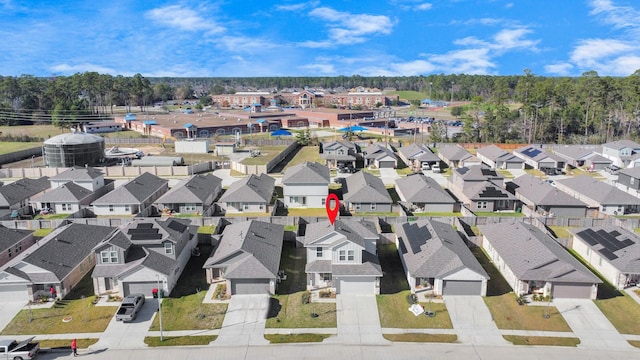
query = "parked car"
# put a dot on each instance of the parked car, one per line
(612, 169)
(24, 350)
(436, 168)
(130, 307)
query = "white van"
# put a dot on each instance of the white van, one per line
(425, 166)
(436, 168)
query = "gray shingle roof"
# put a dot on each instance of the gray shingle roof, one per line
(418, 152)
(250, 189)
(477, 173)
(307, 173)
(599, 191)
(484, 190)
(454, 153)
(375, 151)
(633, 172)
(22, 189)
(133, 192)
(418, 188)
(628, 258)
(575, 152)
(64, 250)
(249, 250)
(195, 189)
(434, 249)
(68, 192)
(532, 255)
(10, 237)
(338, 144)
(540, 154)
(493, 152)
(354, 230)
(620, 144)
(542, 193)
(363, 187)
(78, 173)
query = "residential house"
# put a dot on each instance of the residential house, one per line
(600, 197)
(64, 199)
(535, 157)
(88, 177)
(250, 194)
(143, 255)
(579, 156)
(306, 185)
(456, 156)
(13, 242)
(380, 157)
(418, 156)
(59, 260)
(612, 251)
(534, 263)
(481, 189)
(193, 195)
(544, 199)
(247, 258)
(497, 158)
(629, 181)
(339, 153)
(342, 257)
(133, 197)
(436, 258)
(623, 153)
(424, 194)
(16, 196)
(363, 192)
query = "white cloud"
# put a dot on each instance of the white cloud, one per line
(320, 69)
(347, 28)
(424, 6)
(297, 7)
(415, 67)
(72, 69)
(467, 61)
(559, 68)
(183, 18)
(243, 44)
(508, 5)
(589, 51)
(619, 16)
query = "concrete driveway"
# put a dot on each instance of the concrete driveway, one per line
(129, 335)
(472, 321)
(358, 321)
(589, 324)
(8, 310)
(389, 176)
(244, 321)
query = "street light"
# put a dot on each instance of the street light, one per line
(452, 92)
(430, 88)
(160, 292)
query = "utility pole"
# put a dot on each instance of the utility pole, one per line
(452, 93)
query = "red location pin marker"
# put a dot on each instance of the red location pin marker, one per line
(332, 213)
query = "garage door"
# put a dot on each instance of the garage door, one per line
(253, 286)
(571, 291)
(513, 166)
(14, 293)
(387, 164)
(140, 288)
(453, 287)
(356, 286)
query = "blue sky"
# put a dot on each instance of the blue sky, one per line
(319, 38)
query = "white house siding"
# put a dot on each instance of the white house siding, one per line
(467, 275)
(70, 209)
(315, 195)
(146, 275)
(502, 267)
(599, 263)
(438, 208)
(94, 185)
(357, 253)
(117, 210)
(244, 207)
(356, 285)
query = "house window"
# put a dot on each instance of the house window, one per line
(482, 204)
(350, 255)
(64, 207)
(110, 208)
(246, 207)
(340, 152)
(10, 252)
(109, 257)
(342, 255)
(168, 248)
(631, 181)
(304, 200)
(323, 201)
(318, 252)
(325, 276)
(373, 206)
(127, 208)
(356, 206)
(189, 207)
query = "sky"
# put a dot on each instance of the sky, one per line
(248, 38)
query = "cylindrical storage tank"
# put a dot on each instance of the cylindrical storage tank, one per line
(73, 149)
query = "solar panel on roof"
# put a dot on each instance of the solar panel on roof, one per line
(608, 254)
(604, 240)
(588, 237)
(179, 227)
(488, 172)
(142, 231)
(628, 242)
(145, 225)
(531, 152)
(615, 233)
(492, 192)
(148, 236)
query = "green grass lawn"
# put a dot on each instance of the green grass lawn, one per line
(405, 171)
(51, 216)
(306, 153)
(427, 338)
(85, 316)
(438, 214)
(286, 309)
(497, 214)
(179, 340)
(306, 212)
(42, 232)
(506, 174)
(542, 340)
(560, 231)
(267, 153)
(295, 338)
(207, 229)
(9, 147)
(39, 131)
(66, 343)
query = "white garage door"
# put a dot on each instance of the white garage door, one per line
(513, 166)
(571, 291)
(140, 288)
(14, 293)
(356, 286)
(253, 286)
(387, 164)
(453, 287)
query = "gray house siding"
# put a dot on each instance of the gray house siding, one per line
(629, 181)
(369, 207)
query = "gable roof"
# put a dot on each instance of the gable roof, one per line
(250, 189)
(133, 192)
(535, 153)
(355, 231)
(496, 154)
(621, 144)
(10, 237)
(575, 152)
(533, 255)
(418, 152)
(454, 153)
(195, 189)
(599, 191)
(60, 252)
(434, 249)
(375, 151)
(542, 193)
(67, 192)
(418, 188)
(249, 250)
(77, 173)
(619, 246)
(363, 187)
(487, 190)
(307, 173)
(22, 189)
(477, 173)
(338, 144)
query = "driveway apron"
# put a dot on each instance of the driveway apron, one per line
(472, 321)
(244, 321)
(358, 320)
(590, 325)
(129, 335)
(389, 176)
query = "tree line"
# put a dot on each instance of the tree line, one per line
(518, 108)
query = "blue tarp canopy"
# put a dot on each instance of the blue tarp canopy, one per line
(354, 128)
(260, 121)
(129, 117)
(188, 125)
(150, 122)
(280, 132)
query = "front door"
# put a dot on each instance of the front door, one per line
(108, 284)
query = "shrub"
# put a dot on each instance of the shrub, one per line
(306, 297)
